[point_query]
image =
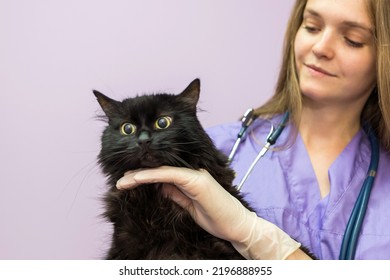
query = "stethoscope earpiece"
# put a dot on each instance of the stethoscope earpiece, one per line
(353, 228)
(246, 121)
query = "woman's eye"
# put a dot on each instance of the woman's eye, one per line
(163, 122)
(128, 129)
(353, 44)
(310, 29)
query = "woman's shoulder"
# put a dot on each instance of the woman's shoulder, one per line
(225, 130)
(224, 135)
(231, 129)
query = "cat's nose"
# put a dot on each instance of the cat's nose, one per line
(144, 138)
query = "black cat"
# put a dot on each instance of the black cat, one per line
(150, 131)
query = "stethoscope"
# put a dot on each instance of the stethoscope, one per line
(353, 229)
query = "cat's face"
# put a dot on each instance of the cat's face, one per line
(149, 130)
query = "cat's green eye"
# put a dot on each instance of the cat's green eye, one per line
(128, 129)
(163, 122)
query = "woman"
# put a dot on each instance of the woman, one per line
(334, 79)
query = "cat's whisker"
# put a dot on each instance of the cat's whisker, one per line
(189, 143)
(118, 159)
(117, 155)
(146, 224)
(178, 161)
(84, 173)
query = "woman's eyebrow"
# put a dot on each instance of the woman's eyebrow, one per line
(311, 12)
(358, 25)
(347, 23)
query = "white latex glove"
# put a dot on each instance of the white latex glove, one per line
(216, 211)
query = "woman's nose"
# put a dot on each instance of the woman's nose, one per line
(324, 46)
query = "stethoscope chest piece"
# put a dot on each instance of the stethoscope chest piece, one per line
(353, 228)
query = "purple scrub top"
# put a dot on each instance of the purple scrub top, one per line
(283, 189)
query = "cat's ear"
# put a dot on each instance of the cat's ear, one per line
(191, 94)
(109, 106)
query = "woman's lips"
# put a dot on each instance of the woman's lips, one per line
(319, 70)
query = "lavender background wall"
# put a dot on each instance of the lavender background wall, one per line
(53, 53)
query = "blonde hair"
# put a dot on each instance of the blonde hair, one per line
(287, 96)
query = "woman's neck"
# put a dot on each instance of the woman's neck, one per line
(326, 131)
(328, 124)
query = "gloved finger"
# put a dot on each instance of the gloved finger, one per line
(173, 193)
(192, 182)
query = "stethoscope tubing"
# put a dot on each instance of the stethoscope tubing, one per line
(246, 121)
(271, 139)
(354, 225)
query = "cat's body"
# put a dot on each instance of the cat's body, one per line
(150, 131)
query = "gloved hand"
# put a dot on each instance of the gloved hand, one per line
(216, 211)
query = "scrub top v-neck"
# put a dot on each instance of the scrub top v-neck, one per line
(284, 190)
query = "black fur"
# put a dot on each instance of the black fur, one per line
(146, 224)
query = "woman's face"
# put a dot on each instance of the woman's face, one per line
(335, 53)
